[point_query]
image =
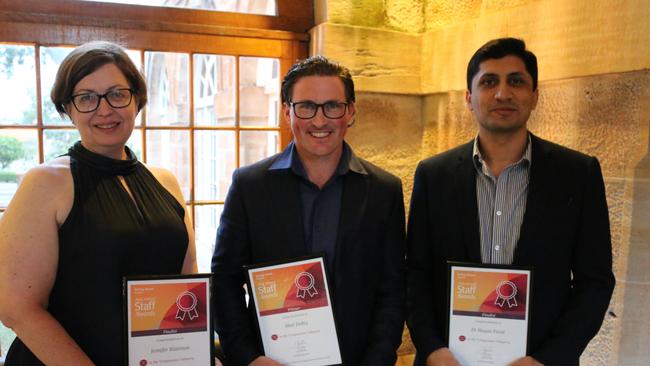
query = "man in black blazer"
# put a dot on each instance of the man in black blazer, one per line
(509, 197)
(316, 196)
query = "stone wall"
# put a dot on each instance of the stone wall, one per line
(408, 59)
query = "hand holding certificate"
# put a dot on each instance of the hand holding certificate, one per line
(294, 312)
(488, 313)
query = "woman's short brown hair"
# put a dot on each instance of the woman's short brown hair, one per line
(87, 58)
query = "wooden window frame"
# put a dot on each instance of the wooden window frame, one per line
(45, 23)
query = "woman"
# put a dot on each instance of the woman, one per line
(79, 223)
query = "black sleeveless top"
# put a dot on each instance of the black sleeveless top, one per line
(107, 235)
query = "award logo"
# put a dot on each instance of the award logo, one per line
(186, 305)
(506, 292)
(305, 283)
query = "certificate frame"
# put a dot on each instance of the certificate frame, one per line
(271, 312)
(168, 318)
(488, 305)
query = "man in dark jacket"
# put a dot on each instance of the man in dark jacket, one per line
(510, 198)
(316, 196)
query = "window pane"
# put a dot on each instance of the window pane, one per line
(214, 163)
(258, 91)
(6, 337)
(257, 145)
(135, 143)
(51, 58)
(167, 77)
(170, 149)
(57, 142)
(18, 80)
(136, 57)
(18, 153)
(214, 90)
(264, 7)
(206, 224)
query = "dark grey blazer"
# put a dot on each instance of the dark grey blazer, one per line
(262, 221)
(564, 236)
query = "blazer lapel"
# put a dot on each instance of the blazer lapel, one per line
(285, 197)
(540, 186)
(353, 208)
(466, 190)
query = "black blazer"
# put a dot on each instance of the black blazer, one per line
(564, 236)
(262, 221)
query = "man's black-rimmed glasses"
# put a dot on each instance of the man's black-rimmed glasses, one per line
(308, 109)
(89, 102)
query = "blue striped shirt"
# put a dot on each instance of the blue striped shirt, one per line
(501, 206)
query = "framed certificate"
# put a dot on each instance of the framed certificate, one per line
(294, 312)
(488, 313)
(168, 320)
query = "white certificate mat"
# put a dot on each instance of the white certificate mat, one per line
(168, 320)
(294, 312)
(488, 314)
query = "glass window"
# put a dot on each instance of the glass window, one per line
(57, 142)
(136, 57)
(18, 153)
(51, 58)
(215, 160)
(264, 7)
(258, 91)
(214, 90)
(167, 76)
(234, 120)
(171, 149)
(257, 145)
(18, 80)
(206, 225)
(135, 143)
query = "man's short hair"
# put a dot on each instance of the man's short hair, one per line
(86, 59)
(316, 66)
(499, 48)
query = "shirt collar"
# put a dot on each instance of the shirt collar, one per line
(479, 163)
(289, 159)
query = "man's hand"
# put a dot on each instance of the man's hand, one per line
(442, 357)
(526, 361)
(264, 361)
